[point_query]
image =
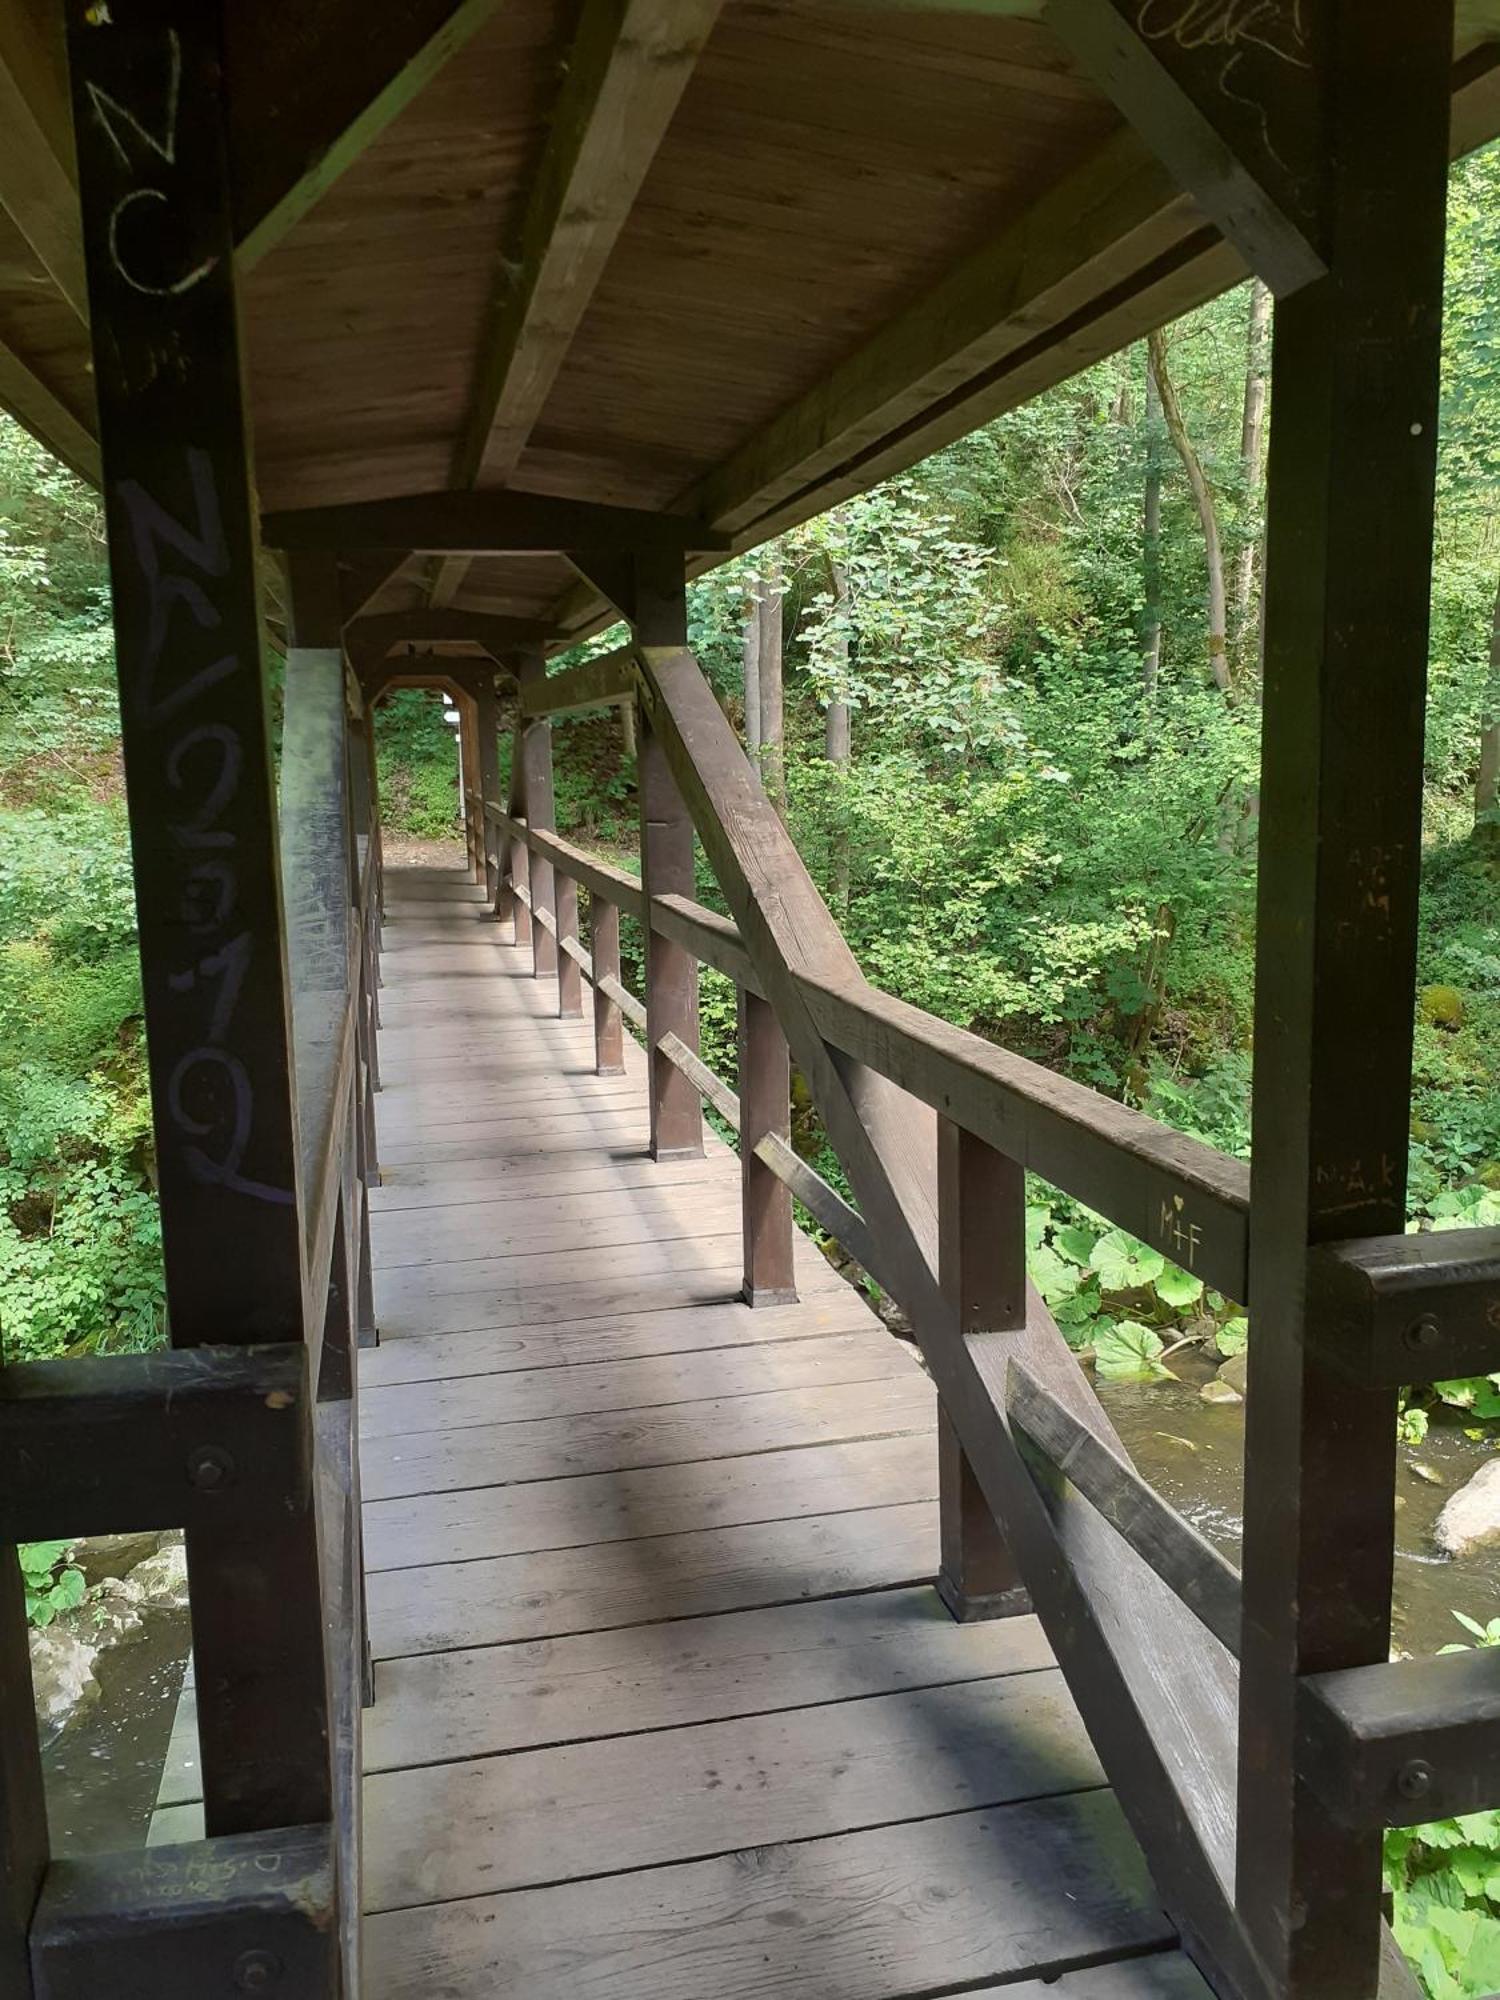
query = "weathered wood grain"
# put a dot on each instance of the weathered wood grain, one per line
(687, 1575)
(439, 1707)
(547, 1816)
(1010, 1890)
(563, 1447)
(648, 1383)
(658, 1500)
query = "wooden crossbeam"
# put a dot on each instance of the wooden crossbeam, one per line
(484, 524)
(591, 684)
(194, 1437)
(626, 72)
(370, 638)
(1232, 115)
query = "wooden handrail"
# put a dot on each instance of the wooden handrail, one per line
(1183, 1197)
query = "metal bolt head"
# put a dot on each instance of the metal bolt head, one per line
(209, 1468)
(1423, 1334)
(1414, 1779)
(256, 1971)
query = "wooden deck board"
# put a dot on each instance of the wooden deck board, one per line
(666, 1704)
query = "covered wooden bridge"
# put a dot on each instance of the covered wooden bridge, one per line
(718, 1649)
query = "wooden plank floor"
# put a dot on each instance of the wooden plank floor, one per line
(666, 1706)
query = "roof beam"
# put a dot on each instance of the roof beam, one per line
(627, 70)
(489, 523)
(1232, 116)
(37, 409)
(38, 175)
(373, 637)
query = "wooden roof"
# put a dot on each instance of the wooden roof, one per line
(731, 261)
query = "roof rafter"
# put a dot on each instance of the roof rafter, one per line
(374, 77)
(629, 65)
(1241, 145)
(39, 410)
(626, 74)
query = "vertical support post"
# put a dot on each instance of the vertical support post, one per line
(23, 1806)
(609, 1023)
(1352, 471)
(541, 817)
(982, 1270)
(489, 783)
(569, 971)
(765, 1107)
(203, 832)
(660, 619)
(468, 735)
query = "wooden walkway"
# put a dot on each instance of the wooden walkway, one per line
(666, 1705)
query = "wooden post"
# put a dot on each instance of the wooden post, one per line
(151, 123)
(468, 730)
(1348, 575)
(489, 784)
(765, 1107)
(660, 619)
(609, 1023)
(569, 972)
(982, 1270)
(541, 817)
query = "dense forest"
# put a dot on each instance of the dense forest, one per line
(1009, 706)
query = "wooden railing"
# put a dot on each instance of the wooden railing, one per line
(252, 1449)
(936, 1128)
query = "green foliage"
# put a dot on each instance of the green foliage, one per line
(80, 1244)
(1444, 1881)
(52, 1583)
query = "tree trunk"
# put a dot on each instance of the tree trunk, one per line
(627, 730)
(1252, 435)
(1151, 543)
(772, 711)
(1487, 783)
(1171, 409)
(752, 667)
(838, 735)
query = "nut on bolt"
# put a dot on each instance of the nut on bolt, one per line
(256, 1971)
(1423, 1334)
(1414, 1779)
(209, 1468)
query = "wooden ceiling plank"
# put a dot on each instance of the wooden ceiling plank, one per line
(490, 523)
(38, 189)
(34, 406)
(628, 68)
(1099, 223)
(392, 89)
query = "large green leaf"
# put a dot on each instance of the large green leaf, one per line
(1125, 1265)
(1178, 1288)
(1129, 1352)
